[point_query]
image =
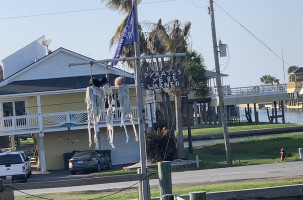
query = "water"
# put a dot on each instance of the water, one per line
(291, 116)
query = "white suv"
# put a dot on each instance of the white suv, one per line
(13, 165)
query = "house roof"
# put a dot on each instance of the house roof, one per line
(298, 71)
(28, 67)
(54, 84)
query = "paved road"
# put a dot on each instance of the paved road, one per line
(267, 171)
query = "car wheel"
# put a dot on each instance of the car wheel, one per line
(98, 167)
(72, 172)
(110, 164)
(25, 180)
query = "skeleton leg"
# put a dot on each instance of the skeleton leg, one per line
(111, 137)
(123, 124)
(96, 138)
(134, 127)
(89, 135)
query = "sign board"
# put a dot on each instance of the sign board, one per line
(154, 80)
(149, 99)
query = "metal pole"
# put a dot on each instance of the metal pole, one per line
(220, 94)
(140, 109)
(128, 59)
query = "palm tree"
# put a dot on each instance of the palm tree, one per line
(268, 79)
(195, 82)
(177, 42)
(156, 45)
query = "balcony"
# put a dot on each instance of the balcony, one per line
(61, 121)
(253, 90)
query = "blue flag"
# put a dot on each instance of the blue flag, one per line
(129, 35)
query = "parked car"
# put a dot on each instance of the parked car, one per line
(13, 165)
(94, 160)
(27, 164)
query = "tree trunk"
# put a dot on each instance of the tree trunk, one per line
(165, 109)
(180, 142)
(169, 111)
(186, 109)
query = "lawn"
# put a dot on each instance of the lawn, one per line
(242, 127)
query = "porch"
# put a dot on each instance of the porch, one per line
(60, 121)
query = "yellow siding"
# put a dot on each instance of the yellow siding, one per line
(32, 106)
(58, 143)
(133, 96)
(63, 102)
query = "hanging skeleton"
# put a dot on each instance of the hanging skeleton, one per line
(125, 105)
(93, 99)
(108, 96)
(109, 122)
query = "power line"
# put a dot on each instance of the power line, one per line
(195, 5)
(72, 11)
(48, 14)
(252, 34)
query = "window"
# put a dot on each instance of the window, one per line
(14, 108)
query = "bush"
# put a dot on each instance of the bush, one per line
(160, 146)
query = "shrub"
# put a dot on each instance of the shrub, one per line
(160, 146)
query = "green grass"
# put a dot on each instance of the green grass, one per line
(242, 127)
(27, 141)
(260, 150)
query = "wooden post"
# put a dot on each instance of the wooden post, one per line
(139, 186)
(6, 194)
(283, 115)
(165, 182)
(204, 115)
(276, 114)
(200, 195)
(196, 114)
(214, 115)
(256, 114)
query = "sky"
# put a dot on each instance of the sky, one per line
(257, 32)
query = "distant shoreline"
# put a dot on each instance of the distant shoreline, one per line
(256, 132)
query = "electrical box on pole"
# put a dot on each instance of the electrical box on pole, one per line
(222, 49)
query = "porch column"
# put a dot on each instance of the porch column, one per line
(13, 145)
(149, 108)
(42, 152)
(41, 137)
(196, 114)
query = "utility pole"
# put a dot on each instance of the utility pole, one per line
(140, 110)
(219, 85)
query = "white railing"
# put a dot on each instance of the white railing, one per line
(52, 120)
(226, 90)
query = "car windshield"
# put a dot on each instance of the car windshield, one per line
(83, 154)
(10, 159)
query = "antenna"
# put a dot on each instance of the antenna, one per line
(46, 43)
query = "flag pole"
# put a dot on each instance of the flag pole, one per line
(141, 110)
